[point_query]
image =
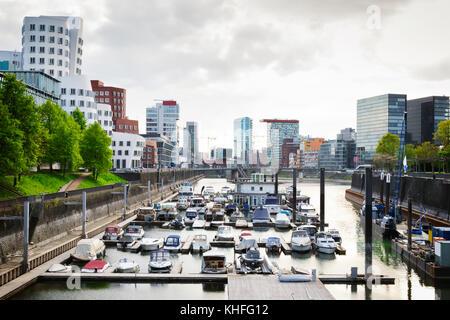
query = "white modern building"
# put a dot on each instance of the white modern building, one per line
(105, 118)
(10, 60)
(255, 191)
(127, 150)
(190, 143)
(76, 91)
(163, 119)
(243, 142)
(53, 44)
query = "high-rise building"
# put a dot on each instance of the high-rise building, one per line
(424, 115)
(289, 152)
(377, 116)
(163, 119)
(190, 144)
(338, 154)
(53, 44)
(277, 131)
(221, 155)
(243, 140)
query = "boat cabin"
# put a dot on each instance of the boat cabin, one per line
(172, 241)
(214, 263)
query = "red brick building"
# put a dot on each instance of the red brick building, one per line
(289, 147)
(150, 154)
(126, 125)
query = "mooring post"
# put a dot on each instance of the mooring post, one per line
(294, 194)
(148, 189)
(162, 188)
(276, 184)
(368, 223)
(388, 191)
(409, 224)
(83, 215)
(26, 227)
(381, 186)
(322, 199)
(124, 201)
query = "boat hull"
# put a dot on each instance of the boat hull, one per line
(326, 250)
(297, 247)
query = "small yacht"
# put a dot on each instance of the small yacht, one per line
(136, 232)
(310, 229)
(214, 262)
(217, 218)
(260, 216)
(246, 243)
(146, 214)
(237, 215)
(307, 213)
(197, 203)
(300, 241)
(272, 204)
(324, 243)
(160, 262)
(127, 266)
(59, 268)
(200, 244)
(336, 236)
(177, 223)
(208, 191)
(190, 216)
(150, 244)
(113, 232)
(224, 233)
(172, 243)
(244, 234)
(186, 190)
(252, 258)
(126, 242)
(95, 266)
(168, 212)
(88, 249)
(273, 245)
(282, 221)
(182, 204)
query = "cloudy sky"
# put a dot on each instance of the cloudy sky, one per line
(223, 59)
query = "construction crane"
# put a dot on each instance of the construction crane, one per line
(398, 171)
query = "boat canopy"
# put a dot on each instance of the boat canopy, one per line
(160, 255)
(247, 243)
(86, 246)
(286, 212)
(172, 240)
(113, 229)
(273, 241)
(133, 229)
(271, 200)
(261, 214)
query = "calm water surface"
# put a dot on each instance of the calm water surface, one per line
(339, 214)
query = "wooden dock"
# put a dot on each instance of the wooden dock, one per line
(268, 287)
(222, 244)
(186, 247)
(285, 247)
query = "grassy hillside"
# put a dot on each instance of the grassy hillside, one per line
(34, 183)
(103, 179)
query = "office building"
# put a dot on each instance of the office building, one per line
(277, 131)
(53, 44)
(243, 141)
(10, 61)
(127, 150)
(190, 142)
(338, 154)
(165, 149)
(289, 153)
(150, 154)
(222, 156)
(104, 118)
(424, 115)
(377, 116)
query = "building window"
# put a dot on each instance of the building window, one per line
(106, 99)
(126, 152)
(81, 92)
(81, 103)
(60, 73)
(51, 62)
(73, 91)
(63, 91)
(63, 103)
(52, 28)
(121, 143)
(32, 49)
(113, 143)
(101, 93)
(106, 93)
(101, 100)
(41, 49)
(52, 40)
(41, 38)
(32, 38)
(41, 61)
(32, 27)
(60, 30)
(60, 52)
(72, 103)
(51, 50)
(60, 40)
(60, 63)
(128, 142)
(119, 152)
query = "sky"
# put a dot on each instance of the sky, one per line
(224, 59)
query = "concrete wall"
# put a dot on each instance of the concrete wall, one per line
(52, 219)
(434, 194)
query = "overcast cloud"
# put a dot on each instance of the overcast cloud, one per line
(224, 59)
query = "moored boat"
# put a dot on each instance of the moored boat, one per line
(88, 249)
(113, 232)
(324, 243)
(200, 244)
(282, 221)
(224, 233)
(149, 244)
(190, 216)
(134, 231)
(127, 266)
(214, 262)
(300, 241)
(273, 245)
(160, 262)
(172, 243)
(146, 214)
(95, 266)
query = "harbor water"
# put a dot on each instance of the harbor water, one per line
(339, 214)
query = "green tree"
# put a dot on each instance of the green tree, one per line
(95, 150)
(65, 144)
(79, 118)
(427, 152)
(22, 108)
(411, 155)
(443, 133)
(12, 161)
(388, 144)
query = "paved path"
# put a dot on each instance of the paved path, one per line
(75, 183)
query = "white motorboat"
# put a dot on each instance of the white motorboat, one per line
(220, 199)
(324, 243)
(186, 190)
(113, 232)
(246, 243)
(95, 266)
(127, 266)
(237, 215)
(198, 224)
(190, 216)
(197, 203)
(224, 233)
(126, 242)
(214, 262)
(225, 190)
(282, 221)
(307, 213)
(150, 244)
(172, 243)
(136, 232)
(217, 218)
(182, 203)
(209, 190)
(200, 243)
(252, 258)
(160, 262)
(59, 268)
(336, 236)
(310, 229)
(272, 204)
(88, 249)
(260, 216)
(300, 241)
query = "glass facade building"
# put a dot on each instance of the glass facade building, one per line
(277, 131)
(190, 145)
(243, 142)
(377, 116)
(424, 115)
(338, 154)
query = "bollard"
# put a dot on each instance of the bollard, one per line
(368, 223)
(409, 224)
(322, 199)
(388, 190)
(354, 272)
(148, 187)
(276, 184)
(26, 226)
(83, 215)
(294, 195)
(124, 201)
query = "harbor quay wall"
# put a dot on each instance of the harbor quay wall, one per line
(426, 193)
(52, 217)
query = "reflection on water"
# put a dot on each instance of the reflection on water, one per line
(340, 214)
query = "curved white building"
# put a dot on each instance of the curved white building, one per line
(105, 117)
(53, 45)
(127, 150)
(76, 91)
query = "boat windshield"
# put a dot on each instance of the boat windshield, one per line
(271, 200)
(160, 256)
(311, 230)
(253, 254)
(191, 214)
(172, 241)
(112, 229)
(133, 229)
(157, 206)
(273, 241)
(200, 237)
(300, 234)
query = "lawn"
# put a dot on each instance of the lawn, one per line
(103, 179)
(34, 183)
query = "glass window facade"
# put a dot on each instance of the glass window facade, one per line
(243, 141)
